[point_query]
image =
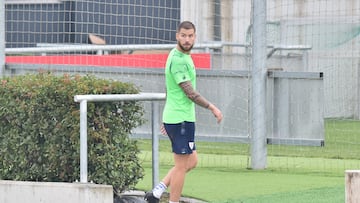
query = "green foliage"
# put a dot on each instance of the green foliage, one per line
(39, 130)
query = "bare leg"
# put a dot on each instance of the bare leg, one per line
(176, 175)
(191, 164)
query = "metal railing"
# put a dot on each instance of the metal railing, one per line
(83, 99)
(54, 48)
(207, 46)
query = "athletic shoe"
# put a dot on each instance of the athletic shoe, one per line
(150, 198)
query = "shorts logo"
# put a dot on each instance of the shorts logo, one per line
(191, 145)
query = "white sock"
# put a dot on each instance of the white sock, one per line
(159, 189)
(173, 202)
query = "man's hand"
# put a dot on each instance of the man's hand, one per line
(162, 130)
(217, 113)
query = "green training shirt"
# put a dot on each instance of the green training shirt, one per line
(178, 107)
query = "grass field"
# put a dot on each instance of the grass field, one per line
(294, 173)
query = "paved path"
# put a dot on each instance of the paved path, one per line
(137, 196)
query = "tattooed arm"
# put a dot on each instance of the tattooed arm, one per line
(196, 97)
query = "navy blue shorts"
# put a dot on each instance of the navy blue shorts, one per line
(182, 137)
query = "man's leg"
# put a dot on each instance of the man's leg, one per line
(168, 180)
(185, 159)
(192, 162)
(176, 176)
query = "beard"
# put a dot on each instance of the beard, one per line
(184, 48)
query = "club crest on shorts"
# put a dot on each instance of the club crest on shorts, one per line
(191, 145)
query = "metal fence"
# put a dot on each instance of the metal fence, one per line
(310, 50)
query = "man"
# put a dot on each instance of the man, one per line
(179, 113)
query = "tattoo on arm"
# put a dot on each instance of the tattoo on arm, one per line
(194, 95)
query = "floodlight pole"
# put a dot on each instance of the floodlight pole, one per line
(258, 91)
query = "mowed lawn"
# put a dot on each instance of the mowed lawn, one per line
(212, 182)
(293, 173)
(217, 184)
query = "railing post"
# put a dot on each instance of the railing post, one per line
(83, 99)
(155, 142)
(83, 141)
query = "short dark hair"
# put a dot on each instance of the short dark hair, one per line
(186, 25)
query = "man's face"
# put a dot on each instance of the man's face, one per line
(186, 39)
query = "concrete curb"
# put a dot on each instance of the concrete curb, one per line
(54, 192)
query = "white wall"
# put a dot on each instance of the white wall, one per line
(46, 192)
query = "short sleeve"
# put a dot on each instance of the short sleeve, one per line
(180, 73)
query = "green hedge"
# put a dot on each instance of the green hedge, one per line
(40, 130)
